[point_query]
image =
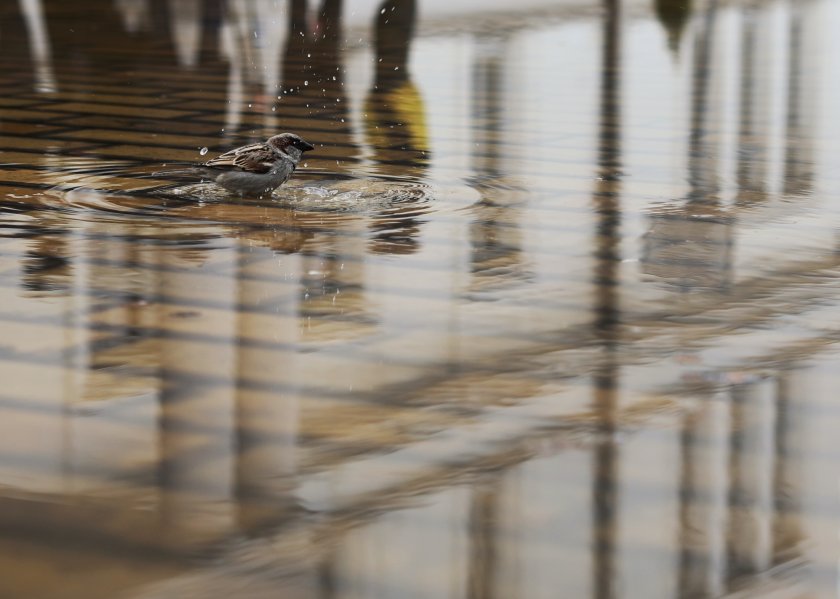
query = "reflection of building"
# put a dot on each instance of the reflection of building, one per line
(770, 155)
(266, 387)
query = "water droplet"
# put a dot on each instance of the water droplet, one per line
(306, 82)
(382, 12)
(203, 150)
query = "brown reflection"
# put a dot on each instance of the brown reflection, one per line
(606, 262)
(804, 34)
(753, 118)
(483, 523)
(497, 260)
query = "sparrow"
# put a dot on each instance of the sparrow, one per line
(255, 169)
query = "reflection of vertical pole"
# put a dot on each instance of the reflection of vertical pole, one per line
(702, 171)
(483, 520)
(803, 78)
(754, 105)
(266, 420)
(607, 240)
(486, 109)
(787, 480)
(751, 474)
(186, 22)
(702, 501)
(39, 45)
(196, 421)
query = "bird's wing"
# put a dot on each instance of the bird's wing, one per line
(256, 158)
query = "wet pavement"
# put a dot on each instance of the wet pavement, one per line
(552, 310)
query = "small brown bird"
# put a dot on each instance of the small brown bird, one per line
(254, 170)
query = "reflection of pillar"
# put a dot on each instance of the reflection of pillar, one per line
(252, 33)
(186, 22)
(39, 45)
(803, 80)
(702, 501)
(487, 84)
(751, 464)
(483, 520)
(267, 420)
(606, 317)
(198, 381)
(691, 246)
(755, 104)
(333, 301)
(495, 234)
(703, 155)
(135, 14)
(787, 478)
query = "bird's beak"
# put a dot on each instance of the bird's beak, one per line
(305, 146)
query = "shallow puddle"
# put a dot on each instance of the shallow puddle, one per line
(550, 310)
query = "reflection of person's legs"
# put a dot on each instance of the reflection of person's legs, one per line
(330, 19)
(394, 30)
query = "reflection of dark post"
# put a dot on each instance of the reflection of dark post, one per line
(702, 175)
(702, 500)
(265, 420)
(799, 158)
(394, 31)
(606, 202)
(495, 234)
(751, 168)
(750, 486)
(692, 568)
(787, 482)
(486, 109)
(296, 67)
(483, 518)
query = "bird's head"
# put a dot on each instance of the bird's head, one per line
(286, 141)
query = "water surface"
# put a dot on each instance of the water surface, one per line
(552, 310)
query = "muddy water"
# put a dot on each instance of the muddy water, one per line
(551, 310)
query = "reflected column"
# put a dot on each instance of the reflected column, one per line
(754, 114)
(39, 45)
(788, 490)
(495, 232)
(703, 445)
(606, 305)
(267, 404)
(198, 385)
(804, 54)
(751, 465)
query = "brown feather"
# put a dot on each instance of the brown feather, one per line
(255, 158)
